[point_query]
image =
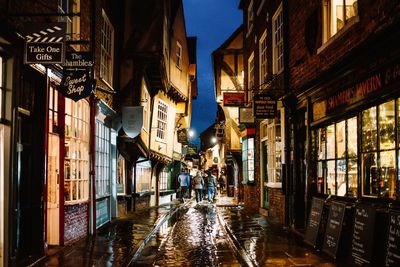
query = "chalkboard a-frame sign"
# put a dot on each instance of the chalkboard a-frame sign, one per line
(333, 228)
(363, 235)
(393, 240)
(314, 222)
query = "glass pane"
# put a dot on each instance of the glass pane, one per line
(369, 131)
(387, 181)
(352, 137)
(321, 142)
(320, 173)
(340, 139)
(352, 174)
(386, 126)
(330, 180)
(369, 174)
(341, 177)
(338, 10)
(330, 141)
(351, 9)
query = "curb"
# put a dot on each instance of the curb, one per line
(240, 252)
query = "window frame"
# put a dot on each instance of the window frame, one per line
(107, 50)
(329, 30)
(263, 48)
(250, 17)
(102, 159)
(178, 55)
(250, 77)
(162, 120)
(278, 41)
(76, 160)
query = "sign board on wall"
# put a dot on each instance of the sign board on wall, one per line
(233, 99)
(264, 106)
(182, 137)
(246, 115)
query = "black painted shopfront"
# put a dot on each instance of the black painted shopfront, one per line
(353, 153)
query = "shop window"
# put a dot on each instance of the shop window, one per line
(263, 58)
(76, 181)
(336, 14)
(379, 151)
(143, 177)
(337, 158)
(163, 180)
(248, 159)
(277, 41)
(274, 164)
(162, 120)
(103, 154)
(107, 46)
(121, 175)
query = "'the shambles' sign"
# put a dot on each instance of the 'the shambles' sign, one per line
(264, 106)
(77, 77)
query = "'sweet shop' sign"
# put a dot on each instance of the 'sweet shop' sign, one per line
(77, 81)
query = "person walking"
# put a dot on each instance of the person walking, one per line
(221, 183)
(198, 186)
(211, 184)
(184, 183)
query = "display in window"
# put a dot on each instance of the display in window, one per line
(369, 131)
(370, 174)
(387, 126)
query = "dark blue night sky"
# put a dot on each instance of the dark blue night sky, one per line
(212, 21)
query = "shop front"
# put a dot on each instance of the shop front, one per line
(353, 160)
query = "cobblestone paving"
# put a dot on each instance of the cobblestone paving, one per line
(193, 238)
(266, 244)
(111, 246)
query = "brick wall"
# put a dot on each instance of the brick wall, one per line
(251, 198)
(305, 18)
(276, 205)
(142, 202)
(76, 222)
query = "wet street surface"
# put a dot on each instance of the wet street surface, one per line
(113, 245)
(189, 234)
(194, 237)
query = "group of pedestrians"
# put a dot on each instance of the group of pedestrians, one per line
(205, 185)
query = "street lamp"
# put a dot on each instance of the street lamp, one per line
(190, 133)
(213, 140)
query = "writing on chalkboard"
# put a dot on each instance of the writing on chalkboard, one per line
(334, 228)
(393, 240)
(364, 223)
(314, 221)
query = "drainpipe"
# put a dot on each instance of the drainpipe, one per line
(46, 154)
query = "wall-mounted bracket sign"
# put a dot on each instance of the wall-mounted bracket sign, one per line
(264, 106)
(77, 75)
(44, 43)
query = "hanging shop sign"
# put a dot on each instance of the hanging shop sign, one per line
(233, 99)
(77, 75)
(182, 137)
(264, 106)
(44, 43)
(132, 120)
(246, 115)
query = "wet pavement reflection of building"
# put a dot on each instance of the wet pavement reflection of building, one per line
(221, 234)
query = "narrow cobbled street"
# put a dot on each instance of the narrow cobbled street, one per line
(193, 236)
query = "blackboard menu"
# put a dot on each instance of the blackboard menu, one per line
(393, 240)
(363, 232)
(314, 221)
(333, 228)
